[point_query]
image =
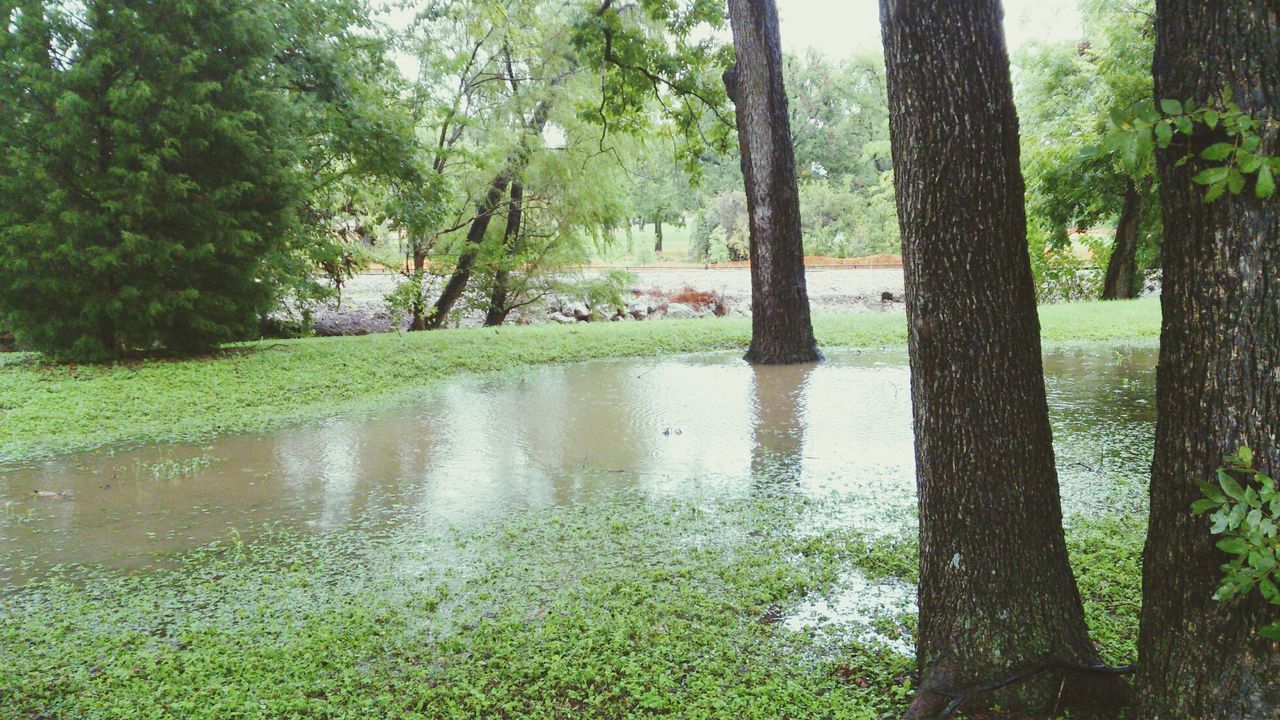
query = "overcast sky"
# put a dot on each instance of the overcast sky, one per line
(841, 27)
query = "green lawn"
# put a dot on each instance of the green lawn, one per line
(49, 409)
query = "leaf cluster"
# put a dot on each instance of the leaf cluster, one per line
(1231, 142)
(1244, 507)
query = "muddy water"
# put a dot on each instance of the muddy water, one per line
(690, 426)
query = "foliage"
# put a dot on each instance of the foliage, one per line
(1230, 140)
(147, 176)
(839, 116)
(1245, 509)
(1066, 92)
(609, 289)
(257, 386)
(846, 221)
(700, 238)
(663, 50)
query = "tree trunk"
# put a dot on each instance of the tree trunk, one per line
(498, 309)
(996, 590)
(781, 330)
(466, 261)
(657, 234)
(514, 166)
(1219, 375)
(1122, 281)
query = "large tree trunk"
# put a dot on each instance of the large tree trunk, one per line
(657, 233)
(1219, 375)
(498, 295)
(514, 166)
(996, 590)
(1122, 270)
(781, 330)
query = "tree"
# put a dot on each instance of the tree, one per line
(147, 177)
(1067, 95)
(1217, 386)
(781, 330)
(996, 591)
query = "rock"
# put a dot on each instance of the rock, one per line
(578, 310)
(638, 311)
(887, 297)
(563, 319)
(680, 311)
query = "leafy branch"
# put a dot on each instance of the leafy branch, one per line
(1233, 158)
(1245, 509)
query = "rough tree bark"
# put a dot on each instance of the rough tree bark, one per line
(996, 590)
(657, 233)
(512, 168)
(498, 308)
(1219, 375)
(1122, 280)
(781, 329)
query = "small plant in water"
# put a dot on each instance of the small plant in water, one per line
(170, 469)
(1245, 510)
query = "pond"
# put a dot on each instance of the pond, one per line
(480, 447)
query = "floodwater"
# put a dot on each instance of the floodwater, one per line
(690, 426)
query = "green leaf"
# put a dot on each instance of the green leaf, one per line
(1230, 486)
(1217, 151)
(1185, 126)
(1233, 546)
(1235, 181)
(1171, 106)
(1269, 590)
(1164, 134)
(1203, 506)
(1247, 161)
(1271, 632)
(1266, 185)
(1211, 492)
(1215, 191)
(1211, 175)
(1245, 453)
(1211, 118)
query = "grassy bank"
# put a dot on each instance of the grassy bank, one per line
(618, 609)
(48, 409)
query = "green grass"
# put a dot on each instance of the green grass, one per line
(48, 408)
(619, 609)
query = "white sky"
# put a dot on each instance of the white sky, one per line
(839, 28)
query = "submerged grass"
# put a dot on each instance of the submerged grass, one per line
(627, 608)
(47, 409)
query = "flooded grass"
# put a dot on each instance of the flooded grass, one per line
(51, 409)
(626, 608)
(763, 569)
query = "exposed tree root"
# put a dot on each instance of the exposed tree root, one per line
(961, 697)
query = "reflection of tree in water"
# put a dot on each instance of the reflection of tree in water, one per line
(778, 402)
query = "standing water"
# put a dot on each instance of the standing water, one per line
(480, 447)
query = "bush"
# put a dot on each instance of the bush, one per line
(146, 181)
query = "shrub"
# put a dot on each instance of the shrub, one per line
(146, 181)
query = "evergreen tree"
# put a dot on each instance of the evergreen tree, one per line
(146, 178)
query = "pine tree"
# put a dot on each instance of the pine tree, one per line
(147, 177)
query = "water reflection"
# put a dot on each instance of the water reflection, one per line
(689, 427)
(779, 406)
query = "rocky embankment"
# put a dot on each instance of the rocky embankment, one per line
(677, 293)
